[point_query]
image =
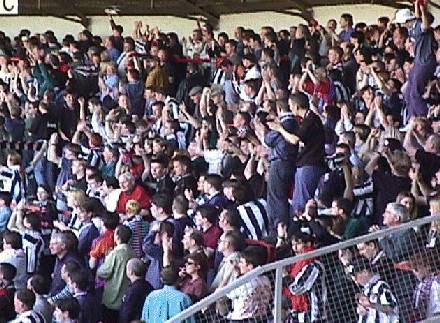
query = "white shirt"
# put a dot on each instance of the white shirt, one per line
(16, 258)
(214, 159)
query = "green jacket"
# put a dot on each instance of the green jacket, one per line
(113, 271)
(45, 80)
(354, 228)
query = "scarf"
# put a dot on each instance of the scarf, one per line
(421, 295)
(300, 303)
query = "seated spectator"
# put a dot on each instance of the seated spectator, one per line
(7, 290)
(113, 271)
(137, 291)
(192, 276)
(67, 310)
(161, 305)
(251, 300)
(377, 301)
(37, 285)
(24, 301)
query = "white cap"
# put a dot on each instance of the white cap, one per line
(403, 15)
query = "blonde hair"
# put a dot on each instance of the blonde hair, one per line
(132, 207)
(77, 197)
(435, 205)
(14, 158)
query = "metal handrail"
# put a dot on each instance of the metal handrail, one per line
(280, 264)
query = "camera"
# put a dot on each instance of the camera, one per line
(336, 161)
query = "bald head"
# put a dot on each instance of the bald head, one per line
(136, 268)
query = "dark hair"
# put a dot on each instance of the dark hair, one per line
(26, 296)
(6, 197)
(180, 204)
(232, 216)
(71, 267)
(159, 160)
(208, 212)
(110, 221)
(300, 99)
(80, 278)
(236, 239)
(38, 284)
(345, 205)
(33, 219)
(184, 160)
(14, 239)
(111, 182)
(200, 260)
(303, 237)
(167, 228)
(69, 305)
(124, 233)
(163, 201)
(254, 256)
(242, 192)
(197, 236)
(169, 275)
(8, 271)
(348, 17)
(215, 181)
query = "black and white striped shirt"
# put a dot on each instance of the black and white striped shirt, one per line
(254, 219)
(363, 199)
(29, 317)
(310, 281)
(379, 292)
(33, 246)
(12, 182)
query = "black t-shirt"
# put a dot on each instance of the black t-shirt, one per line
(386, 187)
(38, 128)
(429, 164)
(311, 133)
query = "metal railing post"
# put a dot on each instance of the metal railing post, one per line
(278, 294)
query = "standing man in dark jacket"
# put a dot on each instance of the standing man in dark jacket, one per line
(134, 297)
(310, 162)
(282, 166)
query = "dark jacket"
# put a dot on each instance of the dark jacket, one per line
(133, 301)
(281, 149)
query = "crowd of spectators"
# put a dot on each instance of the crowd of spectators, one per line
(141, 173)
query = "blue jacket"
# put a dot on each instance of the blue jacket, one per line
(281, 149)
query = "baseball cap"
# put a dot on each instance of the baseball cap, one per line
(403, 15)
